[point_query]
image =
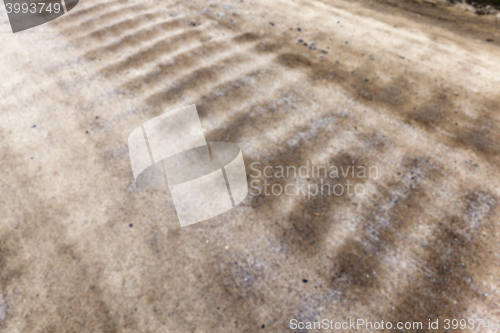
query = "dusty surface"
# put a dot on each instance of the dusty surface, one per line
(408, 87)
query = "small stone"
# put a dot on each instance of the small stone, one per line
(301, 41)
(456, 93)
(324, 51)
(221, 14)
(130, 225)
(271, 23)
(227, 7)
(305, 44)
(33, 126)
(304, 280)
(299, 29)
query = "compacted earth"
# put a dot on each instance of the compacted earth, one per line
(408, 88)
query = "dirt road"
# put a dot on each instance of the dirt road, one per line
(410, 88)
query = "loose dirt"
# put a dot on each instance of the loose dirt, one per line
(409, 87)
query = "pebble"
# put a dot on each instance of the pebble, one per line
(301, 41)
(299, 29)
(271, 23)
(304, 280)
(305, 44)
(227, 7)
(221, 14)
(33, 126)
(324, 51)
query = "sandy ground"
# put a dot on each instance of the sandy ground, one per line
(408, 87)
